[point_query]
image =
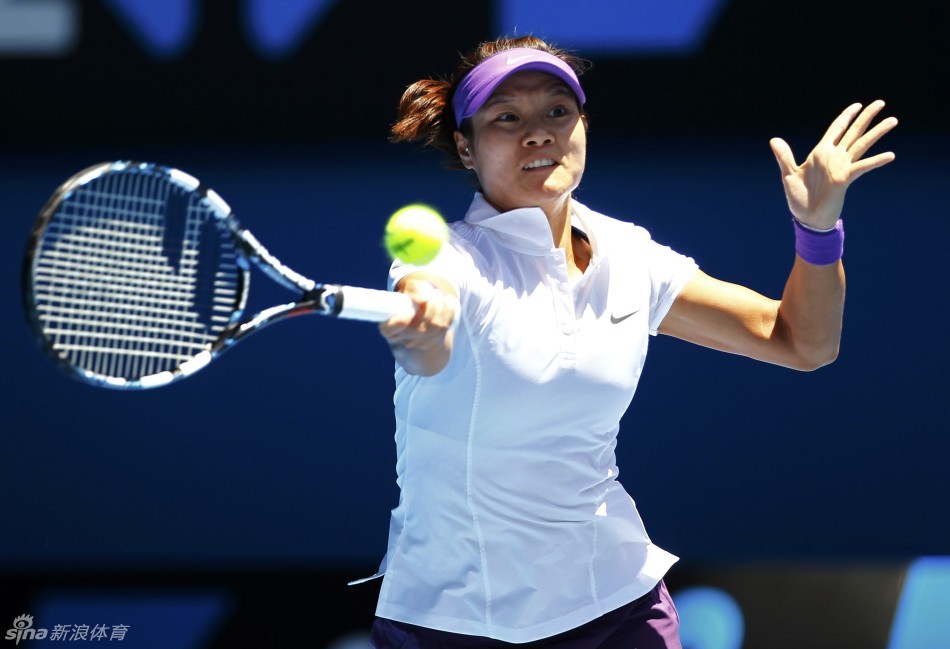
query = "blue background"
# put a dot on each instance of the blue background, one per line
(282, 450)
(280, 456)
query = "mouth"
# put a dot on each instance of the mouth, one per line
(539, 164)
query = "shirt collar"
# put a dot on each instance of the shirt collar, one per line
(525, 229)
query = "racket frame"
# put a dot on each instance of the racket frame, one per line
(332, 300)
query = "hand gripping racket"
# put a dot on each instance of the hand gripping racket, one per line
(136, 276)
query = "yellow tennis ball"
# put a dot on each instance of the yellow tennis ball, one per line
(415, 234)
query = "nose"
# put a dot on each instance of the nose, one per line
(537, 135)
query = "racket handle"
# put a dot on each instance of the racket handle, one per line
(372, 304)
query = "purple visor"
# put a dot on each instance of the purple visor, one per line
(480, 83)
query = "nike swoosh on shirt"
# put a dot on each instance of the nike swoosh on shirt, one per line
(617, 319)
(513, 60)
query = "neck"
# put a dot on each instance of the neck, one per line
(576, 247)
(559, 218)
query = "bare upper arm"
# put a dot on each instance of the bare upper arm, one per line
(727, 317)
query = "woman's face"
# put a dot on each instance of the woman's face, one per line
(529, 143)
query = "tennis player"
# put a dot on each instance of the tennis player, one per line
(531, 330)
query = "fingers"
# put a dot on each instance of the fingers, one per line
(860, 123)
(425, 331)
(433, 317)
(839, 127)
(863, 166)
(783, 155)
(856, 132)
(850, 130)
(861, 145)
(850, 138)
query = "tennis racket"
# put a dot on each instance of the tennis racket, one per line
(136, 276)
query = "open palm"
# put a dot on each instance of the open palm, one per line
(816, 188)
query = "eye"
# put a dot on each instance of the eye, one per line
(506, 117)
(559, 111)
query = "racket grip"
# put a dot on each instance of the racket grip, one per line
(373, 305)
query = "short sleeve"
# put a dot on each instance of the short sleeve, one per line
(669, 272)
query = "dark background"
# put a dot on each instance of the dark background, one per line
(268, 477)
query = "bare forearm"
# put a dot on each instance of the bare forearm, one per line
(800, 331)
(811, 313)
(424, 361)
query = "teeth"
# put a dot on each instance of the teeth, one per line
(544, 162)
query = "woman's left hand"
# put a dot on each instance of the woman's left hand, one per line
(815, 189)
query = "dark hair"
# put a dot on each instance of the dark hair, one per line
(425, 110)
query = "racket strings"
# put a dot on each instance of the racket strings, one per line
(117, 284)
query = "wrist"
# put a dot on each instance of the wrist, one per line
(812, 227)
(819, 247)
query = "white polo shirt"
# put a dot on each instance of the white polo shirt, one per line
(511, 522)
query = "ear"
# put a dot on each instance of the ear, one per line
(464, 150)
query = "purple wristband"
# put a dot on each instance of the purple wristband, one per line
(819, 248)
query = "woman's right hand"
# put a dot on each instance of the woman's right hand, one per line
(421, 342)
